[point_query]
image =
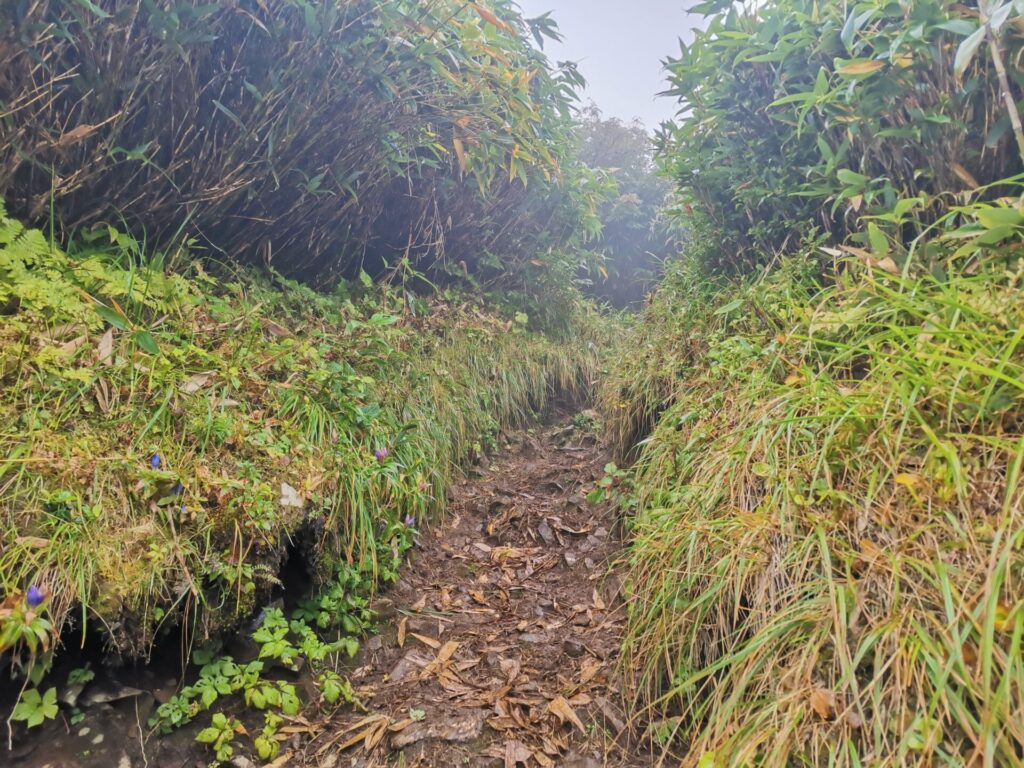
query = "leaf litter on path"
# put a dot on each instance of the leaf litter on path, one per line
(506, 638)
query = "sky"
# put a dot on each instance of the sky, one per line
(619, 45)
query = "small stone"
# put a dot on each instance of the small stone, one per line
(589, 563)
(97, 739)
(374, 643)
(573, 648)
(545, 532)
(570, 559)
(535, 639)
(461, 728)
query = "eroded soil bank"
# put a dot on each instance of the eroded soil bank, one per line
(497, 648)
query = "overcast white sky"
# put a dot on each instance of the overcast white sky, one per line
(619, 45)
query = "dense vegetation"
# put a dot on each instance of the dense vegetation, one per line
(320, 138)
(821, 405)
(638, 233)
(828, 393)
(181, 418)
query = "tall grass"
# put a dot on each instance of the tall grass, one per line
(166, 439)
(827, 546)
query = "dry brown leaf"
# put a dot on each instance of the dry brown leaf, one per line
(281, 760)
(419, 605)
(598, 600)
(435, 644)
(193, 384)
(510, 669)
(589, 669)
(580, 700)
(105, 348)
(964, 175)
(74, 345)
(561, 709)
(402, 627)
(447, 651)
(37, 542)
(823, 702)
(543, 760)
(478, 596)
(516, 753)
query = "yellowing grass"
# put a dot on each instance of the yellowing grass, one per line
(826, 566)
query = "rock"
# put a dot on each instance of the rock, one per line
(545, 532)
(574, 760)
(535, 639)
(241, 761)
(570, 559)
(573, 647)
(409, 664)
(107, 692)
(373, 643)
(462, 727)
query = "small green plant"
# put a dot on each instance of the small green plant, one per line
(33, 708)
(614, 485)
(219, 735)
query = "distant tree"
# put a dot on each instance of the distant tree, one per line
(636, 238)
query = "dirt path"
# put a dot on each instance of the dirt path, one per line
(502, 635)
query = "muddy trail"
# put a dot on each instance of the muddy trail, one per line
(498, 644)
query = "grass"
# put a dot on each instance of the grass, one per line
(166, 437)
(827, 541)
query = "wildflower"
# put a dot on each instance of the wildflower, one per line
(35, 596)
(155, 461)
(177, 489)
(380, 454)
(410, 521)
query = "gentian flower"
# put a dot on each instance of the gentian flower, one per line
(34, 597)
(380, 454)
(155, 461)
(410, 521)
(177, 489)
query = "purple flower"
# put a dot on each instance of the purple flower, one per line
(410, 521)
(177, 489)
(35, 596)
(155, 461)
(380, 454)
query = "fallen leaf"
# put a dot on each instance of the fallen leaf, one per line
(823, 702)
(510, 669)
(561, 709)
(597, 600)
(33, 541)
(105, 348)
(589, 669)
(194, 383)
(402, 626)
(516, 753)
(74, 345)
(435, 644)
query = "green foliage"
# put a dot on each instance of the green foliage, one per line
(827, 487)
(636, 237)
(34, 708)
(336, 136)
(802, 116)
(828, 503)
(133, 478)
